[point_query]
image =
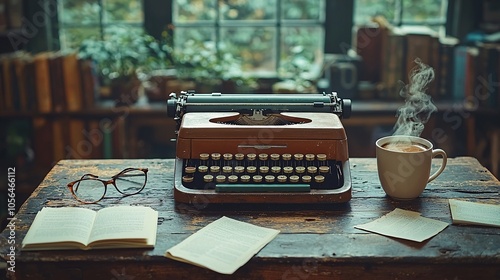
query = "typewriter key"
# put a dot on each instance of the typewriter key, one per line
(251, 169)
(288, 169)
(324, 169)
(204, 156)
(300, 169)
(257, 178)
(321, 157)
(232, 178)
(251, 157)
(190, 169)
(220, 179)
(263, 157)
(306, 179)
(310, 157)
(298, 156)
(208, 178)
(202, 169)
(319, 178)
(275, 169)
(227, 169)
(215, 169)
(275, 157)
(239, 156)
(239, 169)
(269, 178)
(312, 169)
(228, 156)
(187, 179)
(294, 179)
(215, 156)
(245, 178)
(282, 178)
(264, 169)
(286, 156)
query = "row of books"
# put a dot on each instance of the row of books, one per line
(58, 138)
(389, 53)
(477, 75)
(46, 82)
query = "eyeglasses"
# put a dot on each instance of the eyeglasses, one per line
(90, 189)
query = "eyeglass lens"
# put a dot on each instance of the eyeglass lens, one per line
(89, 190)
(130, 182)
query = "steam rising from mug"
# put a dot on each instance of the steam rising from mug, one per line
(418, 105)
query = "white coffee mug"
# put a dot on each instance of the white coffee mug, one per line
(404, 165)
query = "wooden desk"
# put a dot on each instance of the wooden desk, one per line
(316, 242)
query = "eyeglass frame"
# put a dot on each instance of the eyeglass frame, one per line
(111, 181)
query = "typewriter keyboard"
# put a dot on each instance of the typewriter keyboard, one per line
(262, 172)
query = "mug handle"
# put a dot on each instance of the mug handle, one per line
(438, 152)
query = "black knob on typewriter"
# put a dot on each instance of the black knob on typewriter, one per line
(172, 105)
(346, 108)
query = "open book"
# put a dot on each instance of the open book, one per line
(81, 228)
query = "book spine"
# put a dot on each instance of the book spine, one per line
(459, 65)
(43, 87)
(72, 82)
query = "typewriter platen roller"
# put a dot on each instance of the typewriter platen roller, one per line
(260, 148)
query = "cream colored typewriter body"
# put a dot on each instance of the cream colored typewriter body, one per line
(260, 148)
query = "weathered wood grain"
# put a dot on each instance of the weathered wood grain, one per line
(316, 241)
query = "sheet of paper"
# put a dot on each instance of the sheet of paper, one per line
(467, 212)
(405, 224)
(222, 246)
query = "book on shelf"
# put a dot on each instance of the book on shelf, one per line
(57, 82)
(72, 82)
(43, 82)
(81, 228)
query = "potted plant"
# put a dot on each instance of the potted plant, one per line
(124, 60)
(211, 68)
(298, 73)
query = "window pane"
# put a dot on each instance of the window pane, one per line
(254, 46)
(198, 34)
(194, 10)
(71, 38)
(122, 11)
(423, 11)
(305, 43)
(300, 9)
(248, 9)
(364, 10)
(79, 12)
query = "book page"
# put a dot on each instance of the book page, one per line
(125, 222)
(60, 225)
(467, 212)
(222, 246)
(406, 225)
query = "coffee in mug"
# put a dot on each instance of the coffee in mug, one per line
(404, 165)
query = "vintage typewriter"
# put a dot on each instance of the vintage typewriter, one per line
(260, 148)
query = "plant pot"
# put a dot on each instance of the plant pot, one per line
(125, 90)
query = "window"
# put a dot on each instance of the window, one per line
(79, 19)
(263, 34)
(403, 12)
